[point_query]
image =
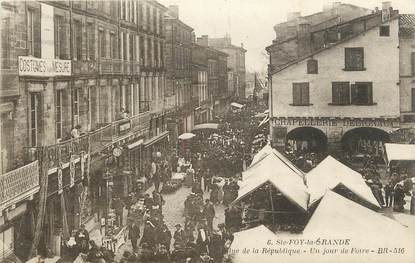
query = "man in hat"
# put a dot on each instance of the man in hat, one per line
(134, 234)
(148, 234)
(179, 237)
(209, 213)
(82, 239)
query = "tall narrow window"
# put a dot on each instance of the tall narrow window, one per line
(301, 94)
(112, 48)
(30, 32)
(131, 47)
(78, 40)
(142, 50)
(149, 57)
(58, 114)
(91, 41)
(124, 46)
(156, 52)
(35, 118)
(102, 44)
(148, 18)
(75, 106)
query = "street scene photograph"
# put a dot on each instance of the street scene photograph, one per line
(207, 131)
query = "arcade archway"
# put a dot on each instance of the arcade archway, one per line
(365, 141)
(307, 139)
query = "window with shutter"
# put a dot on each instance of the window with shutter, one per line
(362, 93)
(58, 114)
(384, 31)
(354, 59)
(312, 66)
(301, 95)
(340, 93)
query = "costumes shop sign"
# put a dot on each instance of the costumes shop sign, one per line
(39, 67)
(331, 122)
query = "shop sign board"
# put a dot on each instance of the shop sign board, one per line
(279, 134)
(40, 67)
(124, 127)
(334, 122)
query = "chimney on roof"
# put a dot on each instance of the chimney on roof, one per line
(203, 40)
(193, 37)
(386, 8)
(174, 11)
(293, 15)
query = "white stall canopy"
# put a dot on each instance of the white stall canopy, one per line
(400, 152)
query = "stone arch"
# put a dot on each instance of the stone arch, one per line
(365, 140)
(314, 138)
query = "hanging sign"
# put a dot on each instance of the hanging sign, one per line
(117, 151)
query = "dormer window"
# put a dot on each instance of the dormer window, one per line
(312, 66)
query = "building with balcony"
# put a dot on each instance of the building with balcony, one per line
(97, 64)
(178, 58)
(342, 95)
(235, 61)
(217, 75)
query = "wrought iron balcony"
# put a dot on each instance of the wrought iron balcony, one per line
(19, 184)
(84, 67)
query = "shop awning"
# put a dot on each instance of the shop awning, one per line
(272, 170)
(266, 150)
(265, 120)
(135, 144)
(330, 173)
(400, 152)
(186, 136)
(339, 217)
(237, 105)
(212, 126)
(156, 139)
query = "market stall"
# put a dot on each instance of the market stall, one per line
(401, 158)
(271, 192)
(331, 174)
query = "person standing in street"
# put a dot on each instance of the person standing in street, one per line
(134, 234)
(82, 239)
(179, 237)
(155, 175)
(209, 214)
(389, 194)
(165, 236)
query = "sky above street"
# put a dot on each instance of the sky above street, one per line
(252, 21)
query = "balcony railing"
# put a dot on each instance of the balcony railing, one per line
(19, 184)
(110, 66)
(84, 67)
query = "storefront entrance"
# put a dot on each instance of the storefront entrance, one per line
(365, 141)
(306, 139)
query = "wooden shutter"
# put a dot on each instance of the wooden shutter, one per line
(36, 33)
(335, 93)
(296, 94)
(305, 94)
(370, 93)
(353, 93)
(413, 63)
(413, 99)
